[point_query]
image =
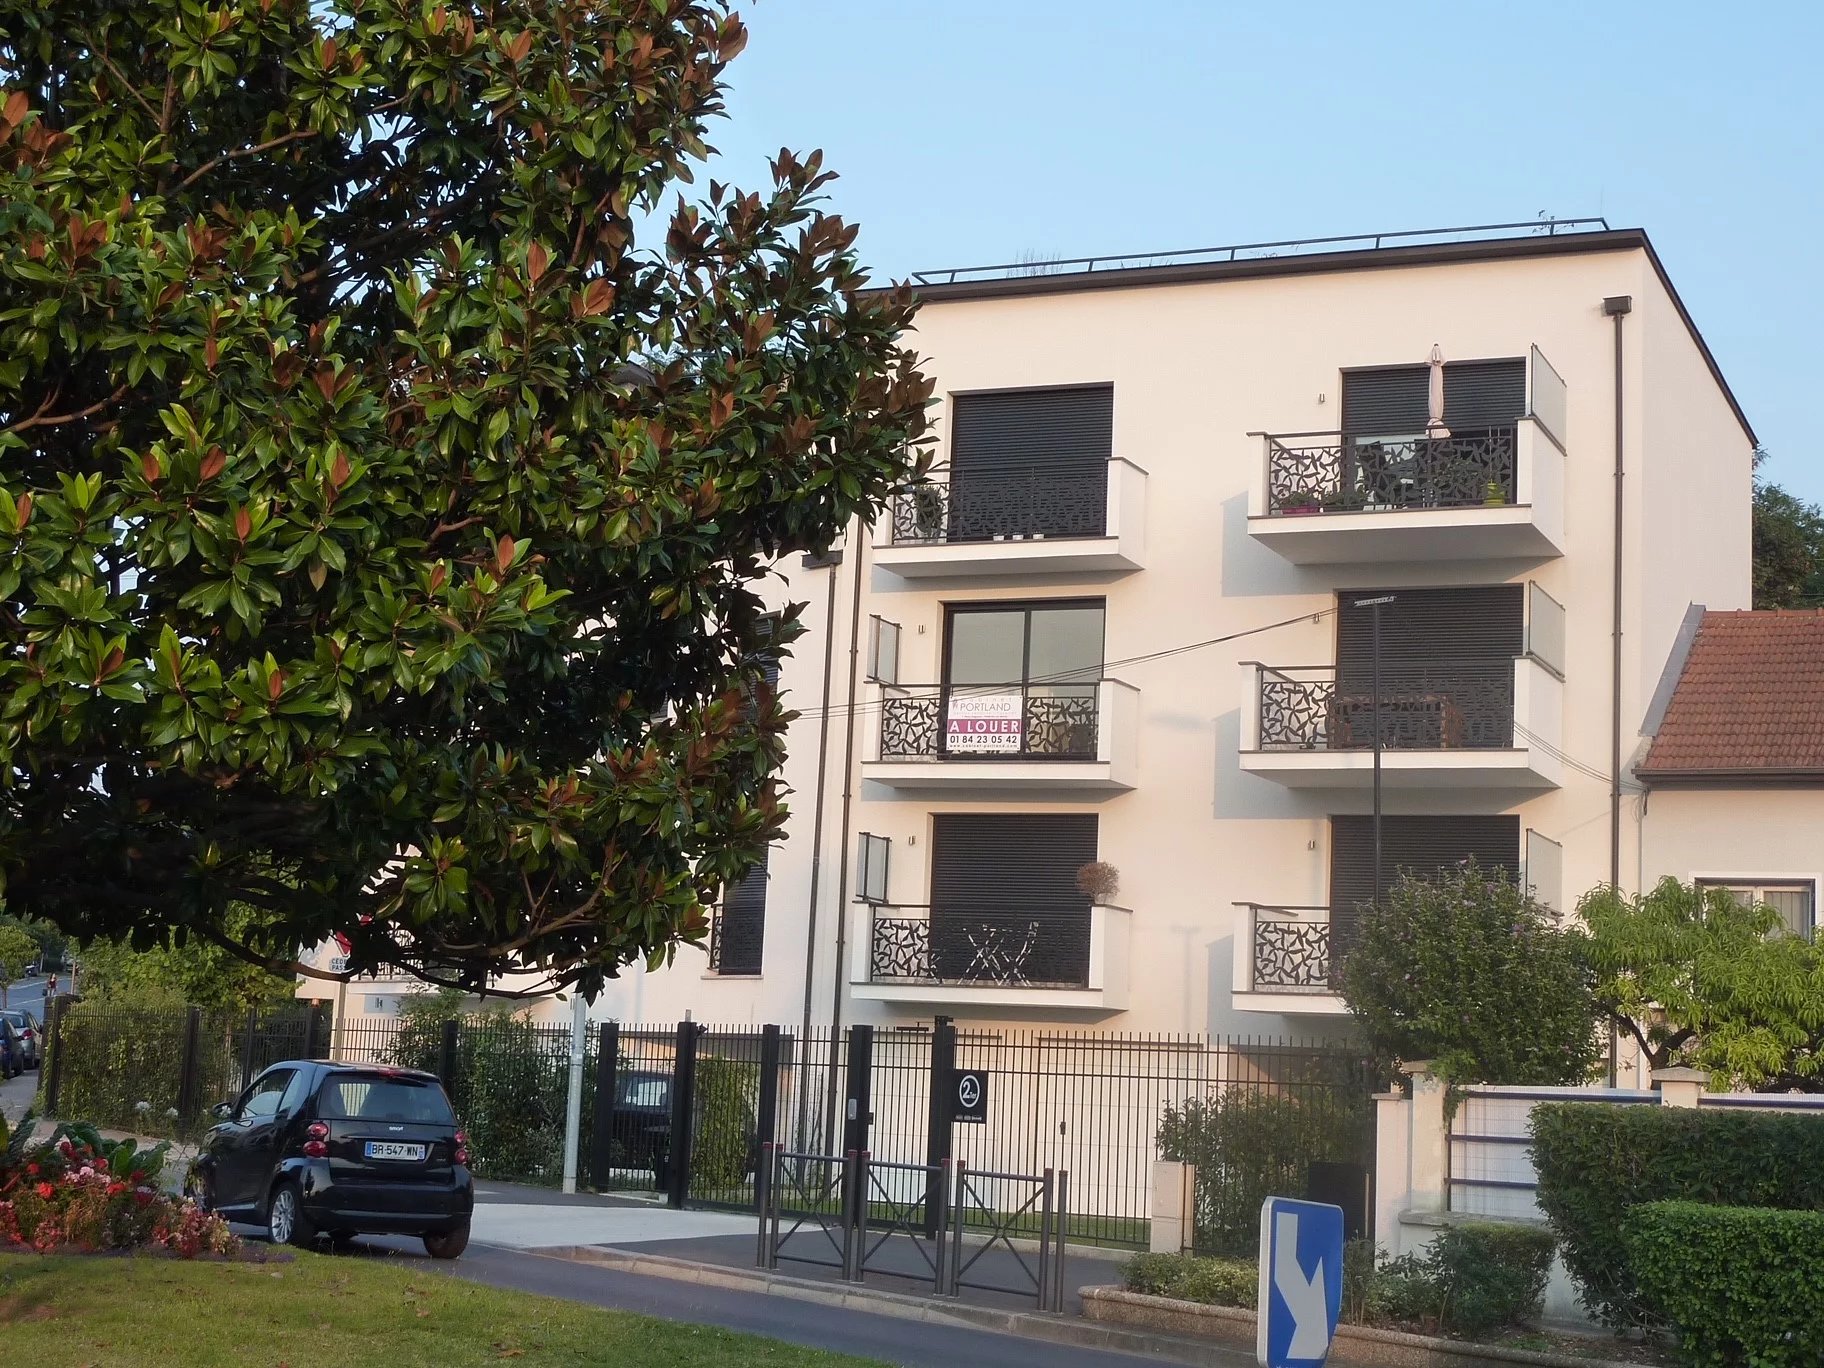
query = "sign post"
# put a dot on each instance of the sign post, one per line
(1301, 1282)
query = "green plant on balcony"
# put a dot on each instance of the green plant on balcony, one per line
(1494, 494)
(927, 502)
(1306, 499)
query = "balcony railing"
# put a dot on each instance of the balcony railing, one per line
(990, 722)
(1003, 947)
(1464, 706)
(1290, 949)
(1330, 472)
(1004, 501)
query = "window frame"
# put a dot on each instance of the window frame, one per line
(1026, 607)
(1762, 883)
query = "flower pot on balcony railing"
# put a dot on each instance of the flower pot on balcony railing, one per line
(1300, 502)
(1494, 495)
(927, 512)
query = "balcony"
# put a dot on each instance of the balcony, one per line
(1284, 964)
(1474, 725)
(1017, 520)
(1324, 498)
(736, 940)
(1075, 961)
(1027, 737)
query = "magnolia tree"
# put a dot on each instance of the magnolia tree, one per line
(1466, 970)
(379, 516)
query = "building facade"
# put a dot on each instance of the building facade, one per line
(1127, 622)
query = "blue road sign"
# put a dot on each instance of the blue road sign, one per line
(1301, 1282)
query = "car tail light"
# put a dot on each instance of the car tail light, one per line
(316, 1141)
(462, 1148)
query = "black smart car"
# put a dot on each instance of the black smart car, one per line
(315, 1148)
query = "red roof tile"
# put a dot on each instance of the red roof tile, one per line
(1749, 700)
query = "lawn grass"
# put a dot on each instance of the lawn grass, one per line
(323, 1312)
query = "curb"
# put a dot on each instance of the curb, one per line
(1025, 1324)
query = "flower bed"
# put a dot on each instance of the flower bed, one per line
(79, 1193)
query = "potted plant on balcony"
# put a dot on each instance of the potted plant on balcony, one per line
(1301, 501)
(1494, 494)
(1341, 501)
(1099, 882)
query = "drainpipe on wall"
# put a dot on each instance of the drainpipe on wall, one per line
(1616, 307)
(842, 855)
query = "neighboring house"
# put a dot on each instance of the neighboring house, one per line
(1053, 652)
(1734, 762)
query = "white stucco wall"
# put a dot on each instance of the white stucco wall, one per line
(1772, 834)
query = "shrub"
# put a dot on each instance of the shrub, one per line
(1250, 1143)
(723, 1131)
(1597, 1162)
(1189, 1277)
(1742, 1284)
(1439, 963)
(1474, 1279)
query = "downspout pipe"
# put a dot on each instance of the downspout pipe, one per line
(1617, 307)
(848, 801)
(830, 561)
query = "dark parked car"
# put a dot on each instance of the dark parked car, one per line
(641, 1134)
(26, 1025)
(313, 1148)
(12, 1050)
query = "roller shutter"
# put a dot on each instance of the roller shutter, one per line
(1031, 462)
(1006, 883)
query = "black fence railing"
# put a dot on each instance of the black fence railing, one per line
(990, 501)
(1463, 706)
(1038, 948)
(1019, 721)
(1291, 949)
(1334, 472)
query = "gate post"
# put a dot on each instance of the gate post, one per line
(187, 1065)
(247, 1046)
(313, 1030)
(601, 1139)
(940, 1131)
(446, 1058)
(859, 1114)
(54, 1084)
(683, 1111)
(766, 1108)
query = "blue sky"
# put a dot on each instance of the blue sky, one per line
(975, 131)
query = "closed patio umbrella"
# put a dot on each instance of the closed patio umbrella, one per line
(1434, 422)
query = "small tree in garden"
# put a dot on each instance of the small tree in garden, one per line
(1698, 979)
(1466, 970)
(17, 949)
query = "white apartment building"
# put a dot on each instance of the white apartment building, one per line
(1124, 623)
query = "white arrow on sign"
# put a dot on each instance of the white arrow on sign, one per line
(1304, 1296)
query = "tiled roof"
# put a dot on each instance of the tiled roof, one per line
(1750, 699)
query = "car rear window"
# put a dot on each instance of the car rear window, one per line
(382, 1097)
(645, 1092)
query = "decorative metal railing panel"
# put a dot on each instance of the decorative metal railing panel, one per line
(1469, 706)
(1291, 953)
(1336, 473)
(736, 940)
(990, 502)
(1040, 949)
(1041, 722)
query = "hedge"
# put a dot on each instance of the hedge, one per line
(1596, 1162)
(1742, 1284)
(1214, 1282)
(1473, 1279)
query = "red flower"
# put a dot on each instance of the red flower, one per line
(32, 1169)
(45, 1190)
(116, 1188)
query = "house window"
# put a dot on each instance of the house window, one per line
(871, 868)
(1395, 401)
(738, 935)
(1005, 906)
(1021, 679)
(1420, 846)
(883, 650)
(1030, 463)
(1794, 899)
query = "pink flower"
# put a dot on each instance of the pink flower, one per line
(45, 1190)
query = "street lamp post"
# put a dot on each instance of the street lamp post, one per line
(1374, 605)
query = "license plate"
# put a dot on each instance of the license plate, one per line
(393, 1149)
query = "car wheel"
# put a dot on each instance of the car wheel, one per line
(447, 1244)
(286, 1222)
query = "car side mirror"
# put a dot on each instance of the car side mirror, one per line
(221, 1111)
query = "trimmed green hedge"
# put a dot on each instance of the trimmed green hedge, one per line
(1597, 1162)
(1473, 1279)
(1214, 1282)
(1743, 1284)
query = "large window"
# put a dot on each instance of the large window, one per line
(1020, 679)
(1420, 846)
(1793, 899)
(1005, 906)
(739, 935)
(1030, 463)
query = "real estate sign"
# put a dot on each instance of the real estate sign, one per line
(983, 723)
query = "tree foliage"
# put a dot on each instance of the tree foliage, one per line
(1788, 536)
(17, 949)
(379, 520)
(1464, 969)
(187, 969)
(1700, 980)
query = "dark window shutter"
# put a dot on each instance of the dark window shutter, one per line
(741, 924)
(1437, 645)
(1026, 462)
(1013, 875)
(1483, 394)
(1418, 845)
(1393, 401)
